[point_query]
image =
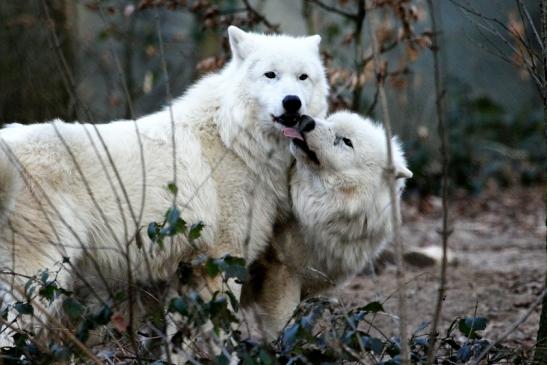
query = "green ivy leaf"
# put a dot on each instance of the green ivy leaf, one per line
(469, 326)
(172, 188)
(265, 358)
(153, 231)
(84, 328)
(24, 308)
(60, 353)
(73, 308)
(289, 336)
(195, 231)
(104, 315)
(373, 307)
(44, 276)
(373, 343)
(172, 216)
(234, 267)
(48, 291)
(212, 268)
(222, 360)
(178, 305)
(464, 353)
(180, 226)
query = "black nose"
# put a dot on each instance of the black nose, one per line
(307, 124)
(291, 103)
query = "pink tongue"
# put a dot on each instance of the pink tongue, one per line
(292, 133)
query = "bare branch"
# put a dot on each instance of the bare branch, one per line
(169, 99)
(29, 181)
(261, 18)
(511, 328)
(395, 208)
(137, 131)
(333, 9)
(524, 9)
(71, 89)
(441, 127)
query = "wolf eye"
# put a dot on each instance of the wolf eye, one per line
(303, 77)
(347, 142)
(270, 75)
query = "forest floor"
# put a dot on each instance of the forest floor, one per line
(498, 242)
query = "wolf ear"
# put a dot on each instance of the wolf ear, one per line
(402, 172)
(314, 41)
(239, 42)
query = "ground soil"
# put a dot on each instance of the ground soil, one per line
(498, 241)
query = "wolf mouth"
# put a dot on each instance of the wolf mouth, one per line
(287, 119)
(303, 145)
(296, 133)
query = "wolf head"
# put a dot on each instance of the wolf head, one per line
(282, 76)
(345, 156)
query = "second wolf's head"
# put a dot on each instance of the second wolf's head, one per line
(341, 174)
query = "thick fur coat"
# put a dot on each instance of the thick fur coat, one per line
(342, 214)
(81, 191)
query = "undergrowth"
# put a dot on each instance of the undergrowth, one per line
(321, 331)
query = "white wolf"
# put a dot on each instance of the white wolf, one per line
(341, 202)
(60, 195)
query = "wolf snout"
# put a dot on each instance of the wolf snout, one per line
(307, 124)
(292, 104)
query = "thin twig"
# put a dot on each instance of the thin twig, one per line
(531, 23)
(59, 326)
(441, 127)
(486, 25)
(70, 86)
(261, 18)
(29, 181)
(511, 328)
(169, 99)
(333, 9)
(395, 208)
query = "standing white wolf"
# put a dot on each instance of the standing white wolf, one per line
(60, 195)
(341, 203)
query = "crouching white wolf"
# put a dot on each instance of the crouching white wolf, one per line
(342, 208)
(83, 192)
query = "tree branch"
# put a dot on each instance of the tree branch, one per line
(395, 209)
(333, 9)
(511, 328)
(441, 127)
(261, 18)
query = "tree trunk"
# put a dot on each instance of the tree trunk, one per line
(31, 87)
(540, 356)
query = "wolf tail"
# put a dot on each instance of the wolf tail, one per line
(9, 181)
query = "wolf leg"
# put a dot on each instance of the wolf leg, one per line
(277, 298)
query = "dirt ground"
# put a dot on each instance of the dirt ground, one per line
(499, 245)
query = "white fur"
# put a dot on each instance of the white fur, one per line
(231, 159)
(343, 205)
(343, 213)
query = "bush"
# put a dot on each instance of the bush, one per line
(320, 332)
(486, 143)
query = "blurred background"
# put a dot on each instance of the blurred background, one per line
(110, 68)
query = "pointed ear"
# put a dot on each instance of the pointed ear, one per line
(403, 173)
(314, 41)
(239, 42)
